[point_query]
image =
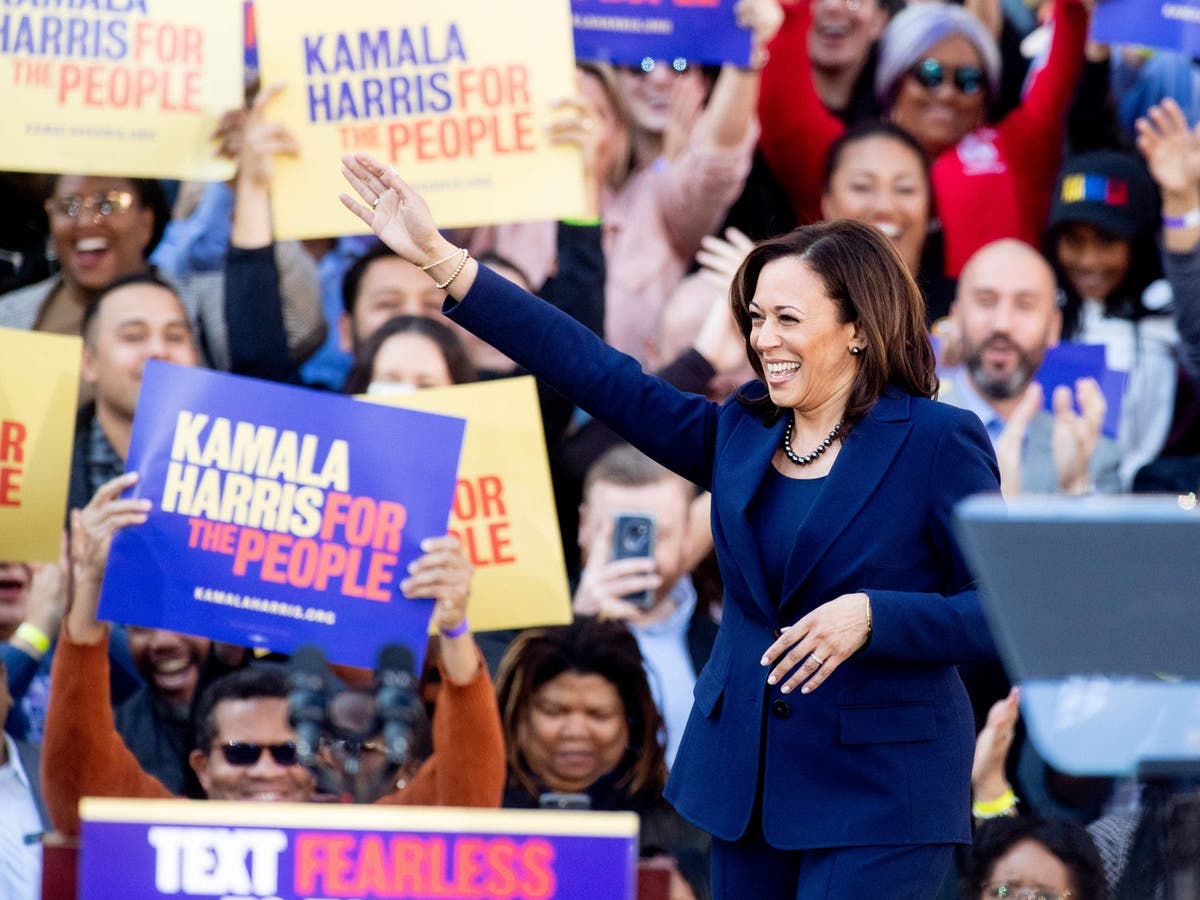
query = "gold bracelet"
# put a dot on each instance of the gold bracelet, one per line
(868, 615)
(457, 271)
(434, 265)
(33, 636)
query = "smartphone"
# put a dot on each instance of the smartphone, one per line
(555, 800)
(633, 538)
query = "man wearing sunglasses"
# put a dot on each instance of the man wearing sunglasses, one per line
(245, 745)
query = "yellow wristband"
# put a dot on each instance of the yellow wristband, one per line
(34, 637)
(1004, 805)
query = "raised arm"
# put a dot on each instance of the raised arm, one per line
(1172, 152)
(678, 430)
(82, 754)
(797, 129)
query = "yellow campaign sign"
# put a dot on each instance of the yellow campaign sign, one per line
(39, 385)
(455, 94)
(119, 87)
(504, 510)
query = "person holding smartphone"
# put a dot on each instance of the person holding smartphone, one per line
(829, 748)
(638, 545)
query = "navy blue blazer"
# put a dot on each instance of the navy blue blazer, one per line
(881, 753)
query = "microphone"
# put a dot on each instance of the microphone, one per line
(307, 688)
(396, 700)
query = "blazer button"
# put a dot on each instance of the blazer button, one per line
(781, 709)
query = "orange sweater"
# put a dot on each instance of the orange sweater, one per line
(83, 756)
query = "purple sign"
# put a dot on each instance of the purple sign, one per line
(267, 851)
(1167, 24)
(282, 516)
(625, 32)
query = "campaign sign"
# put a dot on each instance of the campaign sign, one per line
(456, 95)
(1166, 24)
(1067, 362)
(39, 387)
(282, 516)
(625, 32)
(504, 511)
(289, 851)
(118, 87)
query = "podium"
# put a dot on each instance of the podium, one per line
(1094, 604)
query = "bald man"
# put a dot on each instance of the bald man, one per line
(1007, 316)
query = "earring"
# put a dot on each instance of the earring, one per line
(855, 351)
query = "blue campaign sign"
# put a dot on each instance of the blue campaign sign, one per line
(282, 516)
(625, 32)
(1166, 24)
(1067, 362)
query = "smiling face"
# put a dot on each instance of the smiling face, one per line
(843, 31)
(1007, 314)
(14, 591)
(801, 344)
(94, 249)
(882, 182)
(258, 720)
(1094, 261)
(1030, 865)
(135, 323)
(939, 117)
(574, 731)
(168, 661)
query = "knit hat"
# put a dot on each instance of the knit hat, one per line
(1109, 190)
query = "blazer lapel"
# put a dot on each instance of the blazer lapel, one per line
(860, 466)
(744, 463)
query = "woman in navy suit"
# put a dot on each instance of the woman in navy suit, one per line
(829, 747)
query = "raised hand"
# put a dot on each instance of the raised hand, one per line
(92, 530)
(443, 572)
(605, 582)
(260, 141)
(1011, 442)
(1075, 435)
(1172, 151)
(393, 210)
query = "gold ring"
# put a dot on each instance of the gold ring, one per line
(820, 662)
(375, 203)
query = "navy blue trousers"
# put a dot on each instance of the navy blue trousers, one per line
(750, 867)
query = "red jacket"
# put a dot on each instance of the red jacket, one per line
(996, 183)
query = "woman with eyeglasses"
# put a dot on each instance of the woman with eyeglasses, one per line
(103, 228)
(938, 70)
(1029, 858)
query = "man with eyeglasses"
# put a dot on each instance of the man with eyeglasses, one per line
(245, 745)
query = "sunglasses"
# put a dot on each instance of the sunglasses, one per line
(679, 65)
(244, 753)
(930, 73)
(105, 204)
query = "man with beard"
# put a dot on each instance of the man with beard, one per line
(1007, 317)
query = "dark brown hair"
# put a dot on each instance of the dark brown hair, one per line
(587, 647)
(458, 364)
(870, 284)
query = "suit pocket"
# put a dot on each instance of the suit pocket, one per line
(905, 723)
(710, 687)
